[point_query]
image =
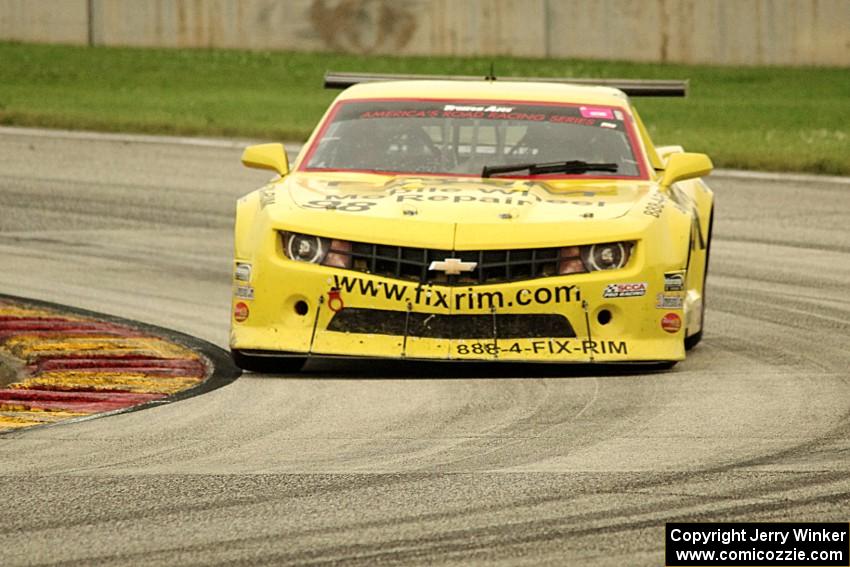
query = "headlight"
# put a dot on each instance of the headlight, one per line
(606, 256)
(594, 257)
(317, 250)
(305, 248)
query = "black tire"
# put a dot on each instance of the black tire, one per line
(693, 340)
(268, 364)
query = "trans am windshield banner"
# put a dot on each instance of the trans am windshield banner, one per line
(599, 116)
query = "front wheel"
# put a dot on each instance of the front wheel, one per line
(268, 364)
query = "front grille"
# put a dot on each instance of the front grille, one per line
(493, 266)
(438, 326)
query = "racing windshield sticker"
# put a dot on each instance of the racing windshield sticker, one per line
(554, 114)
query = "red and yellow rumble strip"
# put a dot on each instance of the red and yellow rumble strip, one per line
(70, 365)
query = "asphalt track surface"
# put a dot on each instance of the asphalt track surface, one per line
(397, 463)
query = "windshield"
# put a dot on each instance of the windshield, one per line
(462, 138)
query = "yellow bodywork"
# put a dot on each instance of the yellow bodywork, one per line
(286, 306)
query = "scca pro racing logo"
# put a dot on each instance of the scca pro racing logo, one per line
(624, 290)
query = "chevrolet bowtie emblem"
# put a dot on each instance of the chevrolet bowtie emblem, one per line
(453, 266)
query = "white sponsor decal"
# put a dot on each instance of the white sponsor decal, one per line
(467, 108)
(663, 301)
(625, 290)
(674, 281)
(242, 271)
(243, 292)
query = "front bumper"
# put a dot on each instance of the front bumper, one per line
(298, 308)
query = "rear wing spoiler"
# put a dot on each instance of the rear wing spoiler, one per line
(632, 87)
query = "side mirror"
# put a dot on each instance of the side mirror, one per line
(681, 166)
(266, 156)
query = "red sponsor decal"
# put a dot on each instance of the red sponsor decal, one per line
(671, 323)
(240, 312)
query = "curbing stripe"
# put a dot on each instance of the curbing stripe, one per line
(74, 396)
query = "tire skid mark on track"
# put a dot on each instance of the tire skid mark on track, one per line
(786, 334)
(494, 536)
(513, 441)
(281, 490)
(773, 494)
(553, 529)
(769, 496)
(502, 536)
(517, 451)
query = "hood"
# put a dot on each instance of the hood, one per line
(473, 210)
(459, 200)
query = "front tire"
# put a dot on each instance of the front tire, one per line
(693, 340)
(268, 364)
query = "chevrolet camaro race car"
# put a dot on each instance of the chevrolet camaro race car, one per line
(461, 219)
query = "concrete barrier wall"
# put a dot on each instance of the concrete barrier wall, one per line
(49, 21)
(722, 32)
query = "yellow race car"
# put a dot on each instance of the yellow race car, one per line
(474, 219)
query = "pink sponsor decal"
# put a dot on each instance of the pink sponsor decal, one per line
(596, 112)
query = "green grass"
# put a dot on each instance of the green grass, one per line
(789, 119)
